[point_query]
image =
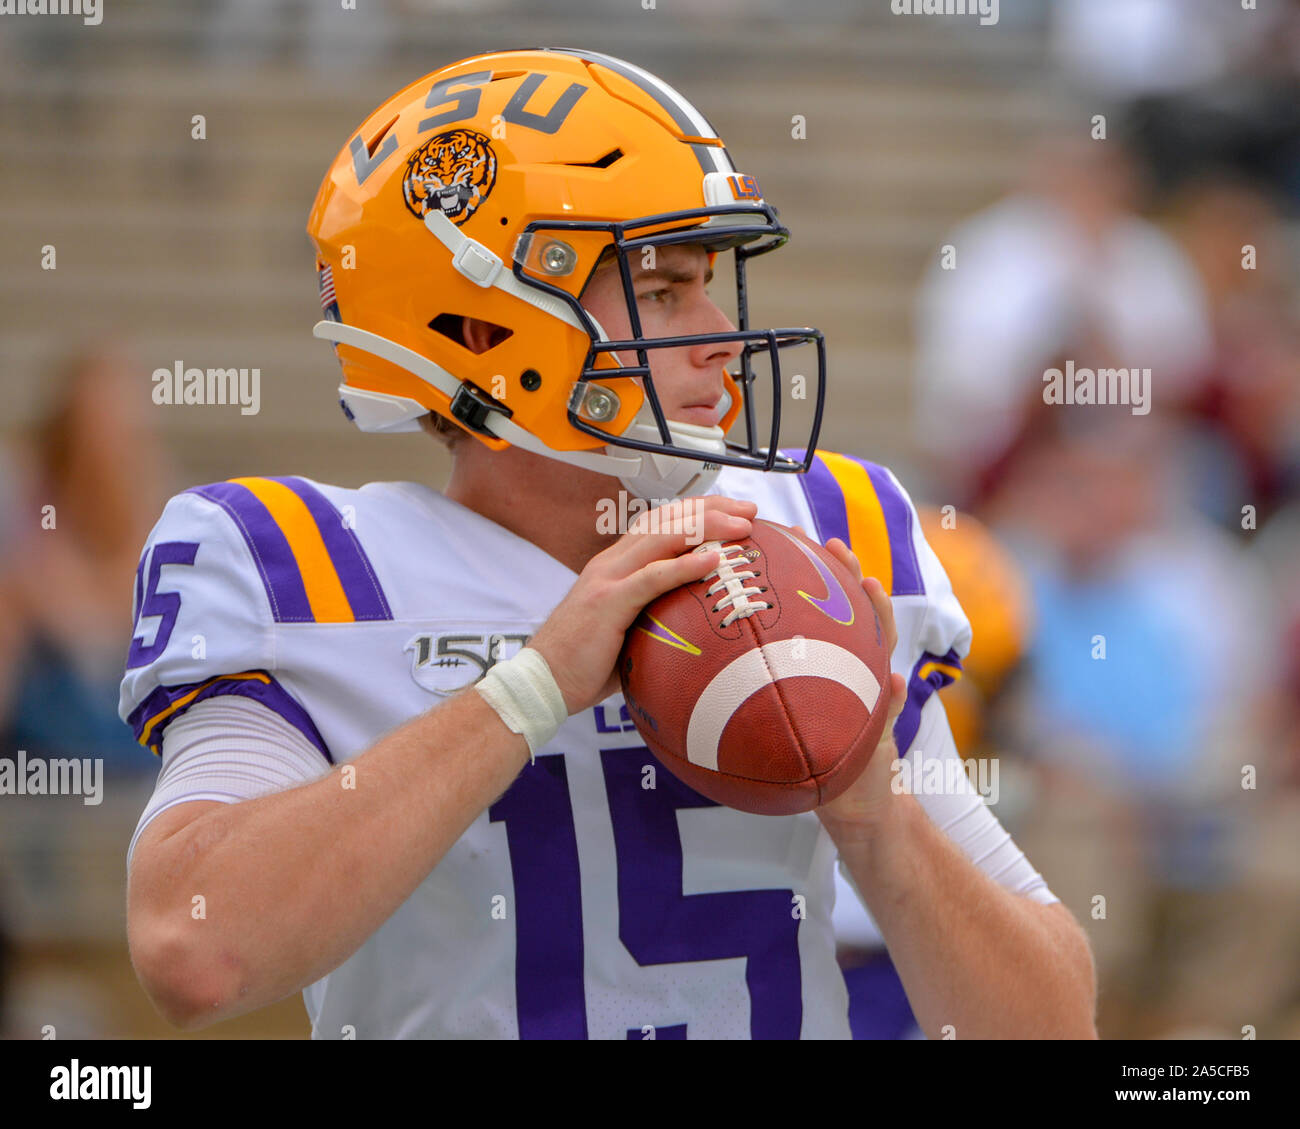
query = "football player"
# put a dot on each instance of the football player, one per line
(397, 773)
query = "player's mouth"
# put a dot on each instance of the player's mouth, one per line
(703, 415)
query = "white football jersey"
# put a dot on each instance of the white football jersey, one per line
(599, 897)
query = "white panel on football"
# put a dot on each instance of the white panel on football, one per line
(740, 679)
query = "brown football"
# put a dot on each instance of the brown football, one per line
(764, 686)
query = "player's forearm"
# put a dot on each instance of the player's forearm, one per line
(295, 882)
(973, 956)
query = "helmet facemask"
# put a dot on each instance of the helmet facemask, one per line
(686, 457)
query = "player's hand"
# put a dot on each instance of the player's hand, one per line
(583, 636)
(862, 809)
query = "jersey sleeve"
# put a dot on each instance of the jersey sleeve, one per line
(226, 750)
(866, 506)
(211, 585)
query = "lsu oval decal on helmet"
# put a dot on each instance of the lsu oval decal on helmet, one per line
(453, 172)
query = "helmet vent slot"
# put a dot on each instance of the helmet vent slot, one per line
(603, 163)
(373, 146)
(452, 325)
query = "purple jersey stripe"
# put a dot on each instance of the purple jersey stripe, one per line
(826, 500)
(918, 693)
(878, 1004)
(354, 569)
(139, 589)
(275, 560)
(269, 692)
(898, 523)
(952, 658)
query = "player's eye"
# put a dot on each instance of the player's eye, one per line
(660, 295)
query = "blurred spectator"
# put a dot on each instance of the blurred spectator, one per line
(95, 486)
(1199, 83)
(1143, 703)
(1063, 270)
(1243, 442)
(1112, 555)
(1128, 48)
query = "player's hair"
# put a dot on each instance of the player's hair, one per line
(443, 430)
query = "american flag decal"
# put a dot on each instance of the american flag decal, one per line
(328, 302)
(326, 286)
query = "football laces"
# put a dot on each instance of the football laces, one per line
(729, 577)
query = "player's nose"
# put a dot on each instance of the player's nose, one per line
(708, 354)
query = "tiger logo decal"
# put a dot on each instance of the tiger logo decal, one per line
(452, 172)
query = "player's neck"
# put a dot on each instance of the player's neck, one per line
(544, 501)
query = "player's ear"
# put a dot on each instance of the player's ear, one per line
(479, 336)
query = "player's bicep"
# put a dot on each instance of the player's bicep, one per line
(227, 749)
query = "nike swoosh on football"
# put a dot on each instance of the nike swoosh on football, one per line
(835, 604)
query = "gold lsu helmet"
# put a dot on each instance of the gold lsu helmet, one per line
(492, 189)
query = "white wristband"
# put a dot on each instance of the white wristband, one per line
(523, 692)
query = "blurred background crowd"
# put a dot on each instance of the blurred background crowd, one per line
(1108, 183)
